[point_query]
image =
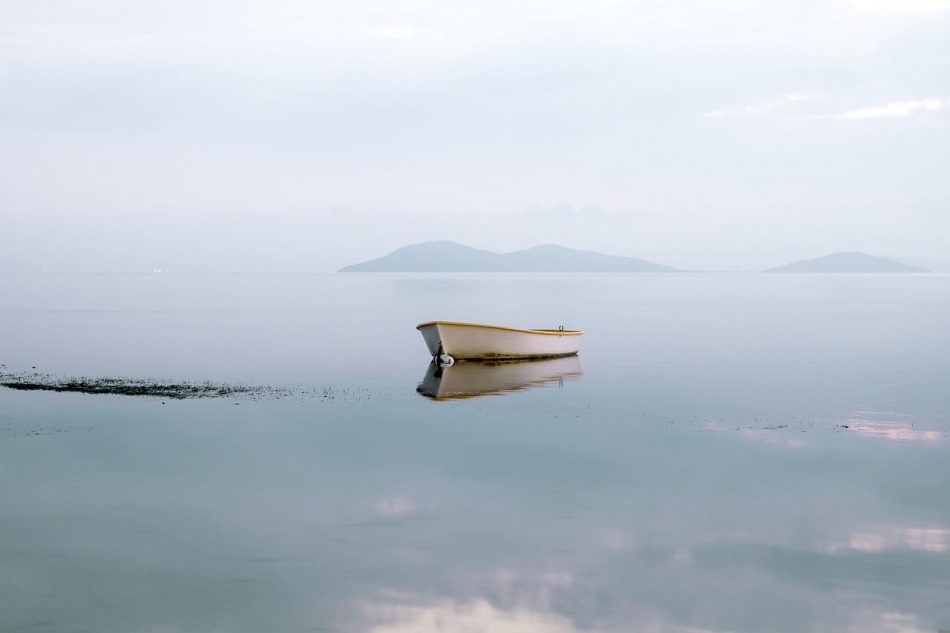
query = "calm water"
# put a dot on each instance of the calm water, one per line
(730, 453)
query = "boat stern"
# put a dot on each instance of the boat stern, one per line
(430, 332)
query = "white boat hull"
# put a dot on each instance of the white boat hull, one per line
(476, 341)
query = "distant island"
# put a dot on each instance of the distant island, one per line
(446, 256)
(850, 262)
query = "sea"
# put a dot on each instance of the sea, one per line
(729, 453)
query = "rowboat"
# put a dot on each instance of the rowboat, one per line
(470, 380)
(449, 341)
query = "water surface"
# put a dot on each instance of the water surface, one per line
(732, 453)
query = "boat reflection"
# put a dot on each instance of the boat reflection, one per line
(473, 379)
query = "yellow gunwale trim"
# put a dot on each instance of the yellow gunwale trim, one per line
(504, 327)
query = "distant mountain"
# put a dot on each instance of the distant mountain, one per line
(940, 266)
(428, 257)
(553, 258)
(452, 257)
(848, 263)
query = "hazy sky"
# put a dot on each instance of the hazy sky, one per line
(292, 135)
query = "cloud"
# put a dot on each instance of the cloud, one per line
(394, 32)
(564, 211)
(895, 109)
(754, 109)
(401, 32)
(899, 6)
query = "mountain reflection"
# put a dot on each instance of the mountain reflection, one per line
(470, 380)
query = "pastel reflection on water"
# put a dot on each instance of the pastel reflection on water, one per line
(892, 430)
(876, 539)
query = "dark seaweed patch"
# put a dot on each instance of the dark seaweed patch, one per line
(179, 390)
(136, 387)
